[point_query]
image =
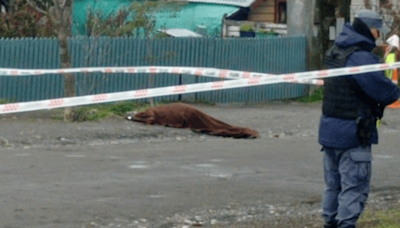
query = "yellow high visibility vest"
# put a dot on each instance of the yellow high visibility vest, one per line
(390, 58)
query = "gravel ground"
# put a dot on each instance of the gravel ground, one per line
(273, 120)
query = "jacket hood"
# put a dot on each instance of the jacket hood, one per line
(349, 37)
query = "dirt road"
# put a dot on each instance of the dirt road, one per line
(116, 173)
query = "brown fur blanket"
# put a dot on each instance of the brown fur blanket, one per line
(181, 115)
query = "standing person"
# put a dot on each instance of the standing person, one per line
(351, 106)
(391, 53)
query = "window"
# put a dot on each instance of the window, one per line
(280, 12)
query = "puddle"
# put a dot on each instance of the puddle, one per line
(205, 165)
(221, 175)
(156, 196)
(383, 156)
(138, 166)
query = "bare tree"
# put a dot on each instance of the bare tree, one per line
(343, 9)
(99, 23)
(59, 12)
(21, 20)
(142, 24)
(328, 11)
(391, 13)
(144, 18)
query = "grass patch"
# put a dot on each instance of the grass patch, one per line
(316, 96)
(3, 101)
(309, 221)
(380, 219)
(388, 218)
(204, 102)
(101, 111)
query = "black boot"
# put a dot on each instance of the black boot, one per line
(331, 225)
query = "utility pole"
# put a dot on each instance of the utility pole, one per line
(301, 22)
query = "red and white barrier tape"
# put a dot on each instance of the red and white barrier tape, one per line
(191, 88)
(206, 72)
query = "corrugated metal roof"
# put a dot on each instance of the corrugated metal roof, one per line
(177, 32)
(242, 3)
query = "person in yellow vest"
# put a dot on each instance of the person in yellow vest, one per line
(391, 52)
(390, 57)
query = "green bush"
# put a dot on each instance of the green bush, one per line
(3, 101)
(24, 21)
(246, 27)
(316, 96)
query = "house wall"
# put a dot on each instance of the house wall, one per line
(194, 14)
(81, 8)
(263, 11)
(190, 16)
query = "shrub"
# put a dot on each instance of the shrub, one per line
(23, 21)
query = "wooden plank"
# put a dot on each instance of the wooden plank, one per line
(237, 23)
(263, 3)
(233, 28)
(263, 10)
(261, 24)
(233, 34)
(281, 31)
(262, 17)
(272, 25)
(268, 3)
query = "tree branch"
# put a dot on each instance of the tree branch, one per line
(63, 3)
(34, 5)
(56, 6)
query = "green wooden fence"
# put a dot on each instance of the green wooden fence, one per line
(273, 55)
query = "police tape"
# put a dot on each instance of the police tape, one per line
(190, 88)
(206, 72)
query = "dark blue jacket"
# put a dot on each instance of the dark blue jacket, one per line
(340, 133)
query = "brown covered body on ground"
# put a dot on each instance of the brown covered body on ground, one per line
(181, 115)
